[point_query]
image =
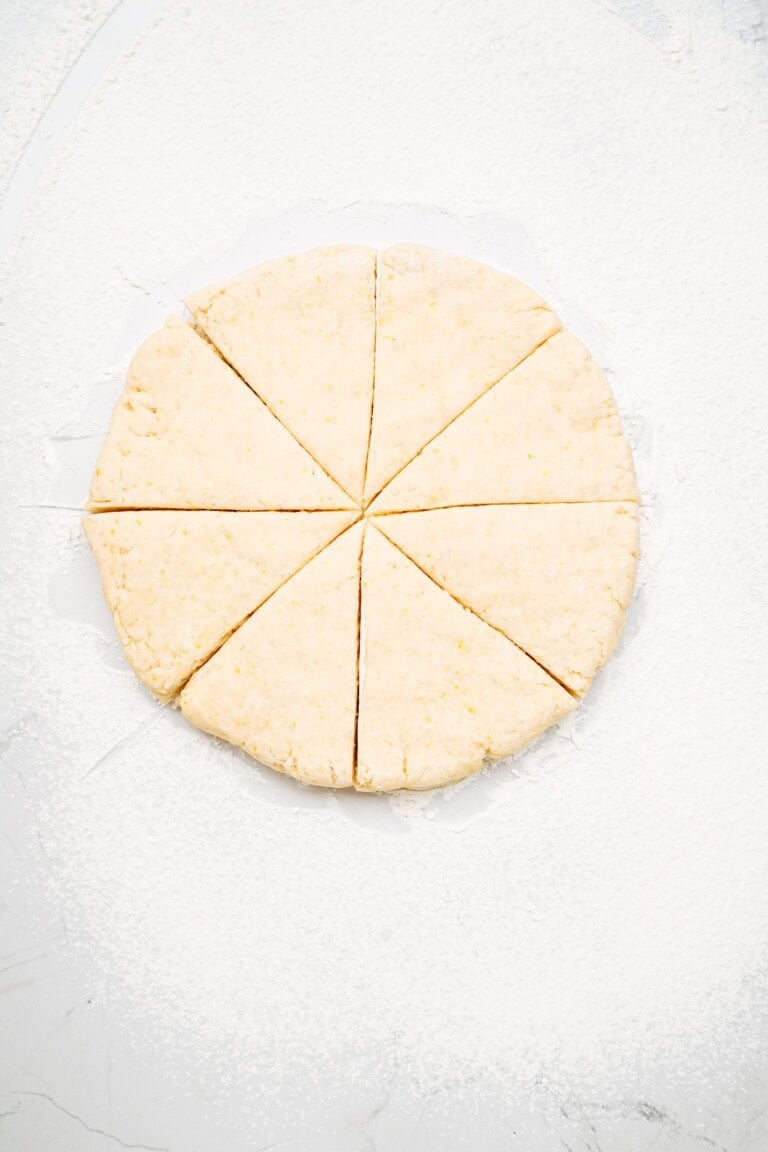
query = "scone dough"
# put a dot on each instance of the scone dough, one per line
(555, 578)
(301, 332)
(188, 433)
(284, 687)
(439, 689)
(548, 432)
(373, 520)
(178, 583)
(447, 329)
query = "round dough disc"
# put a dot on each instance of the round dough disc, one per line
(373, 518)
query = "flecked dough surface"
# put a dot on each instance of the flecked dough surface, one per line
(375, 522)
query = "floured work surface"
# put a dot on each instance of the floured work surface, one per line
(373, 519)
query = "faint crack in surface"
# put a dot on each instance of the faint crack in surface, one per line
(372, 1116)
(24, 1097)
(124, 742)
(653, 1114)
(27, 960)
(49, 508)
(94, 58)
(587, 1112)
(277, 1144)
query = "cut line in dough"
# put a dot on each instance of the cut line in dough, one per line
(373, 381)
(201, 332)
(458, 605)
(182, 419)
(179, 583)
(374, 513)
(556, 579)
(283, 686)
(101, 511)
(462, 603)
(373, 500)
(447, 328)
(547, 432)
(441, 691)
(300, 332)
(358, 661)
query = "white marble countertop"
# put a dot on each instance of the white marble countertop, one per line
(570, 951)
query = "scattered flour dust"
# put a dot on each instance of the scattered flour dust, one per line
(594, 914)
(555, 921)
(553, 936)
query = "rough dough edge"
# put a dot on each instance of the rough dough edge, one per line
(577, 693)
(198, 302)
(486, 759)
(492, 384)
(172, 698)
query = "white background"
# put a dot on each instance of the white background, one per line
(568, 952)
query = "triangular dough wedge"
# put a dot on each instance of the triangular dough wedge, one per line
(284, 686)
(447, 329)
(439, 689)
(555, 578)
(179, 583)
(188, 433)
(547, 432)
(300, 331)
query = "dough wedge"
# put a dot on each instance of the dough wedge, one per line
(439, 689)
(182, 421)
(284, 686)
(178, 583)
(555, 578)
(300, 331)
(447, 329)
(548, 432)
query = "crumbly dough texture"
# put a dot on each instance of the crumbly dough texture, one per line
(448, 328)
(374, 523)
(548, 432)
(301, 332)
(178, 583)
(187, 433)
(555, 578)
(439, 690)
(284, 687)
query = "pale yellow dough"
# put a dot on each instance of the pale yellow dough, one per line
(375, 519)
(301, 332)
(447, 329)
(179, 583)
(548, 432)
(439, 689)
(188, 433)
(555, 578)
(284, 686)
